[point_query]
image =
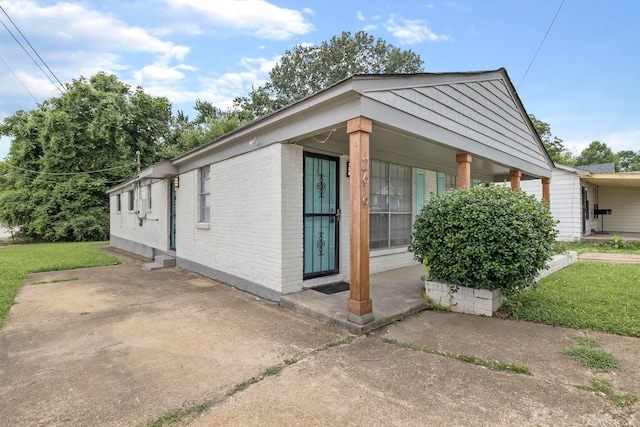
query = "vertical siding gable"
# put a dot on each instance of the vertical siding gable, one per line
(483, 111)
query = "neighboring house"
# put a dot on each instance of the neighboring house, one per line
(326, 189)
(592, 199)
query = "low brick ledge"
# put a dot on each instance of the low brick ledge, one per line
(485, 302)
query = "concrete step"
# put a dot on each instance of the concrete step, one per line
(165, 260)
(151, 266)
(160, 261)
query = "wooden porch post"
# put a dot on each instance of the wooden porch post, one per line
(359, 305)
(515, 179)
(464, 170)
(546, 192)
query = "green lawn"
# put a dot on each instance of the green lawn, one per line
(625, 248)
(586, 295)
(18, 261)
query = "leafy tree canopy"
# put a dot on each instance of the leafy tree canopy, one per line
(628, 161)
(554, 146)
(309, 69)
(96, 126)
(596, 153)
(210, 123)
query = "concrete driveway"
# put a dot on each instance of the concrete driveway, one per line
(119, 346)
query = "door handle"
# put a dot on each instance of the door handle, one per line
(338, 215)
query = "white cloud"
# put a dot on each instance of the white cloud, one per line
(75, 25)
(412, 31)
(626, 140)
(257, 17)
(370, 27)
(360, 16)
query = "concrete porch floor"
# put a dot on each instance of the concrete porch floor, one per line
(606, 237)
(395, 294)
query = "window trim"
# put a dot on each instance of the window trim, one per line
(149, 204)
(389, 213)
(204, 212)
(131, 207)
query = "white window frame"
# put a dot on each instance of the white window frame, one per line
(131, 200)
(389, 212)
(149, 198)
(204, 195)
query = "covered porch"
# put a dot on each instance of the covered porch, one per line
(397, 294)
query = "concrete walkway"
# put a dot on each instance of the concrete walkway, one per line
(607, 257)
(118, 346)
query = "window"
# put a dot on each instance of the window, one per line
(149, 197)
(390, 217)
(446, 182)
(205, 195)
(118, 203)
(132, 201)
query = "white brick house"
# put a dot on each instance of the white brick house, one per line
(326, 189)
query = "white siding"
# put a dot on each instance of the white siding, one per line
(565, 202)
(143, 226)
(255, 232)
(624, 203)
(483, 111)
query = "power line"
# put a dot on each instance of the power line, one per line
(68, 173)
(541, 43)
(18, 79)
(34, 50)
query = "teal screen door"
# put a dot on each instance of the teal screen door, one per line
(172, 216)
(321, 215)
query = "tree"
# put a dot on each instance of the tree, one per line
(68, 151)
(596, 153)
(628, 161)
(308, 69)
(554, 146)
(210, 123)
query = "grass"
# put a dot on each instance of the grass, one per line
(625, 248)
(587, 353)
(604, 389)
(586, 295)
(494, 365)
(344, 341)
(18, 261)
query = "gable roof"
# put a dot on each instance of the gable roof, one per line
(421, 119)
(599, 168)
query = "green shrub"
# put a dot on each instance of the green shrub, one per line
(617, 242)
(486, 237)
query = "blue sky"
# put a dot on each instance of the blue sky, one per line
(584, 81)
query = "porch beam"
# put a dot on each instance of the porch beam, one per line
(359, 305)
(546, 191)
(515, 176)
(464, 170)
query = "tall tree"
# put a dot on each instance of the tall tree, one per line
(309, 69)
(67, 152)
(554, 146)
(210, 123)
(628, 160)
(596, 153)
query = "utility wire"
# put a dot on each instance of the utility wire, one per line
(18, 79)
(34, 50)
(541, 43)
(69, 173)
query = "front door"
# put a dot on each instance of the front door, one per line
(172, 216)
(321, 215)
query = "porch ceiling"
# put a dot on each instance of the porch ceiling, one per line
(391, 144)
(614, 179)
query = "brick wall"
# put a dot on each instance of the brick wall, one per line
(148, 228)
(255, 231)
